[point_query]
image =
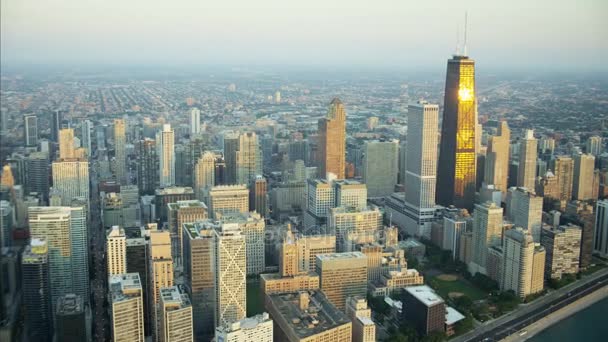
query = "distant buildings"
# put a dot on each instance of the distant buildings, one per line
(30, 130)
(120, 156)
(195, 121)
(248, 158)
(147, 166)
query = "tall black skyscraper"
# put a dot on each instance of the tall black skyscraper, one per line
(147, 167)
(56, 122)
(36, 291)
(70, 322)
(456, 173)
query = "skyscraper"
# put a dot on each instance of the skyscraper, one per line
(147, 167)
(564, 171)
(497, 158)
(231, 146)
(66, 143)
(563, 247)
(230, 266)
(523, 263)
(526, 173)
(380, 167)
(594, 145)
(342, 275)
(70, 324)
(525, 210)
(160, 274)
(126, 307)
(37, 168)
(248, 158)
(79, 241)
(456, 173)
(176, 316)
(56, 122)
(258, 195)
(86, 128)
(600, 240)
(31, 130)
(195, 121)
(487, 231)
(120, 142)
(584, 165)
(332, 141)
(71, 179)
(166, 156)
(181, 212)
(36, 291)
(204, 175)
(116, 251)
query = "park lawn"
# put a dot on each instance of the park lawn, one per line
(444, 287)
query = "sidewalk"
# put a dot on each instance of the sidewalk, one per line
(557, 316)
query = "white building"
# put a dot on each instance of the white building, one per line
(165, 147)
(252, 329)
(195, 121)
(525, 209)
(116, 251)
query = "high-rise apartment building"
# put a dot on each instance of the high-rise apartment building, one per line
(564, 171)
(176, 316)
(36, 291)
(563, 248)
(126, 308)
(160, 274)
(225, 199)
(258, 328)
(230, 267)
(147, 167)
(231, 146)
(70, 323)
(204, 176)
(594, 145)
(525, 210)
(487, 231)
(342, 275)
(526, 172)
(120, 154)
(165, 150)
(30, 130)
(600, 240)
(497, 158)
(380, 167)
(66, 143)
(71, 179)
(195, 121)
(583, 185)
(457, 165)
(523, 263)
(116, 251)
(332, 141)
(248, 158)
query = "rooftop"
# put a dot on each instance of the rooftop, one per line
(424, 294)
(175, 296)
(124, 286)
(452, 316)
(187, 204)
(70, 304)
(174, 190)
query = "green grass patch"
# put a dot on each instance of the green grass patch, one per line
(255, 300)
(444, 287)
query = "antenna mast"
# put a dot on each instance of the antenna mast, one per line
(465, 32)
(457, 40)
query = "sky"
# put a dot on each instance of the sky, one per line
(383, 34)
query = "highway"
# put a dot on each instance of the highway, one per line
(527, 314)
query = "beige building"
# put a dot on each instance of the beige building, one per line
(204, 175)
(396, 280)
(380, 167)
(564, 171)
(71, 179)
(294, 313)
(382, 260)
(342, 275)
(252, 226)
(179, 213)
(526, 173)
(583, 178)
(66, 143)
(160, 273)
(116, 251)
(563, 248)
(364, 329)
(120, 142)
(126, 308)
(176, 317)
(353, 226)
(497, 158)
(523, 263)
(332, 141)
(309, 246)
(248, 158)
(227, 199)
(487, 231)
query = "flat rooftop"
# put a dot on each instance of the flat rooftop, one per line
(320, 316)
(123, 286)
(424, 294)
(341, 256)
(69, 304)
(175, 295)
(452, 316)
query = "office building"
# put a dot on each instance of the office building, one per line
(526, 172)
(56, 124)
(394, 281)
(137, 262)
(66, 143)
(86, 127)
(231, 146)
(525, 209)
(71, 179)
(293, 312)
(454, 223)
(425, 309)
(457, 165)
(160, 274)
(147, 167)
(600, 240)
(364, 329)
(179, 213)
(165, 150)
(173, 194)
(523, 263)
(380, 167)
(225, 199)
(120, 154)
(547, 186)
(199, 276)
(248, 158)
(332, 141)
(322, 195)
(204, 176)
(583, 184)
(563, 248)
(258, 328)
(594, 146)
(487, 232)
(351, 226)
(70, 324)
(36, 292)
(252, 226)
(258, 195)
(497, 158)
(30, 130)
(176, 316)
(381, 260)
(37, 168)
(230, 266)
(126, 308)
(342, 275)
(195, 121)
(116, 251)
(564, 171)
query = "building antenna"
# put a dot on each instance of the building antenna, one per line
(465, 32)
(457, 40)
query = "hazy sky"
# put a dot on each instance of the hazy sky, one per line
(371, 33)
